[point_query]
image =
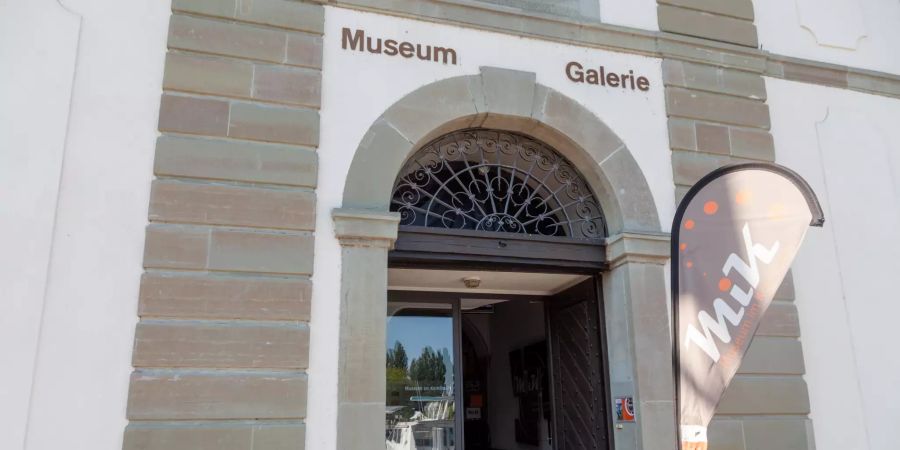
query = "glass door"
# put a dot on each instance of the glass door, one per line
(421, 371)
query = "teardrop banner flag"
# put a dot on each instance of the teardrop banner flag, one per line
(734, 237)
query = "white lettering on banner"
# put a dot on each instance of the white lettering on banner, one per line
(750, 271)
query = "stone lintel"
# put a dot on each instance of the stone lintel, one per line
(365, 228)
(640, 247)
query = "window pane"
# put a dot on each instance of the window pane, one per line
(420, 393)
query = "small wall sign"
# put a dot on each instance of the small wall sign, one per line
(625, 409)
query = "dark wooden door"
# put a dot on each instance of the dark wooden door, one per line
(580, 413)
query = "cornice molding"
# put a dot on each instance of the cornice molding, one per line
(587, 33)
(637, 247)
(365, 228)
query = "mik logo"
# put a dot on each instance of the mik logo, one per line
(750, 271)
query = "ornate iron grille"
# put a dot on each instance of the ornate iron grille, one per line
(496, 181)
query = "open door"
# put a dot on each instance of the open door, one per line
(578, 373)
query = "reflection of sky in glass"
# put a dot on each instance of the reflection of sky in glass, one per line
(416, 333)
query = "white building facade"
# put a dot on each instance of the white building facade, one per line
(201, 243)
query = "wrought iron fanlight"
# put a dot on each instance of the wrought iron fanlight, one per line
(495, 181)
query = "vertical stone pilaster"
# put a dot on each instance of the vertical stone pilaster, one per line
(365, 236)
(640, 338)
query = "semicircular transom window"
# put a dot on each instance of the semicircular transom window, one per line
(495, 181)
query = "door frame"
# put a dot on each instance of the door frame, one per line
(397, 260)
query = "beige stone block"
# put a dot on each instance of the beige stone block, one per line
(752, 144)
(200, 395)
(274, 123)
(781, 319)
(682, 134)
(705, 25)
(217, 204)
(230, 435)
(207, 75)
(672, 46)
(786, 289)
(175, 437)
(770, 395)
(219, 8)
(304, 50)
(193, 115)
(280, 437)
(689, 167)
(726, 435)
(509, 92)
(245, 251)
(220, 345)
(417, 115)
(780, 433)
(210, 296)
(711, 107)
(283, 13)
(742, 9)
(226, 38)
(773, 356)
(236, 160)
(175, 247)
(713, 139)
(287, 85)
(358, 422)
(714, 79)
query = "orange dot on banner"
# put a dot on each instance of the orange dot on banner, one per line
(704, 274)
(710, 207)
(742, 197)
(689, 224)
(724, 284)
(683, 246)
(690, 264)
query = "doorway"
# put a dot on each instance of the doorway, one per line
(485, 369)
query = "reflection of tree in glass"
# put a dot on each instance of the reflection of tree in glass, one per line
(429, 368)
(396, 357)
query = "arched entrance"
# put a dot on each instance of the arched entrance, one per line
(634, 286)
(514, 208)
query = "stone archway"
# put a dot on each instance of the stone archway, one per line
(638, 328)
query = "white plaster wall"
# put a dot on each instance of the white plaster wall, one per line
(80, 84)
(357, 88)
(847, 145)
(856, 33)
(630, 13)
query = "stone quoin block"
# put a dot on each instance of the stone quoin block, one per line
(304, 50)
(713, 138)
(193, 115)
(761, 434)
(176, 247)
(781, 319)
(219, 204)
(773, 356)
(211, 296)
(256, 345)
(217, 159)
(716, 108)
(741, 9)
(705, 25)
(232, 435)
(274, 123)
(726, 434)
(752, 144)
(210, 395)
(208, 75)
(682, 134)
(287, 85)
(689, 167)
(246, 251)
(715, 79)
(765, 395)
(226, 38)
(284, 14)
